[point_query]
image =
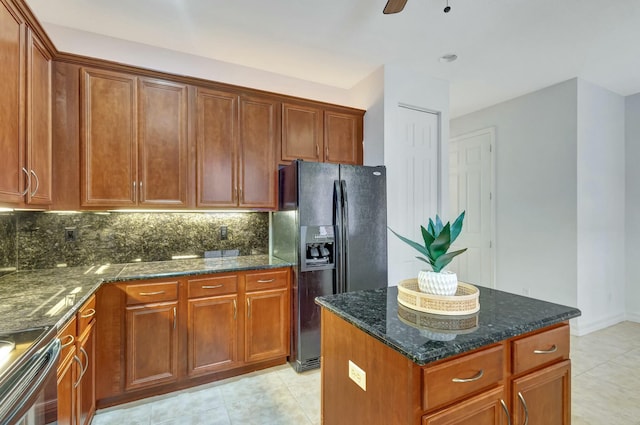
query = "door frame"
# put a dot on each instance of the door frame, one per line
(491, 131)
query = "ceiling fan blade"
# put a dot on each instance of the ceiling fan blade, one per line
(394, 6)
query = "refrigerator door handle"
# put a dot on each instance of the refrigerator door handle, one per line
(345, 235)
(337, 219)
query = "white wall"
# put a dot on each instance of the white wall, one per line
(151, 57)
(535, 190)
(632, 207)
(600, 208)
(369, 94)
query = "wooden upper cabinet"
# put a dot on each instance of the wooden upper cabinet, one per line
(216, 148)
(162, 138)
(301, 132)
(12, 33)
(108, 139)
(342, 138)
(258, 134)
(38, 147)
(133, 141)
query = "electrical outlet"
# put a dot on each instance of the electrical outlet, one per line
(358, 375)
(223, 233)
(70, 234)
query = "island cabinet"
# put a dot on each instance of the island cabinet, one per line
(77, 368)
(323, 134)
(160, 335)
(25, 107)
(133, 138)
(235, 147)
(377, 369)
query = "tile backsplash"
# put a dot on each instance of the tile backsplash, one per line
(36, 240)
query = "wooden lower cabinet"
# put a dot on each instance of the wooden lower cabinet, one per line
(86, 389)
(267, 325)
(213, 334)
(543, 397)
(488, 408)
(152, 344)
(160, 335)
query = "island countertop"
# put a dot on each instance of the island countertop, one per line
(50, 297)
(502, 315)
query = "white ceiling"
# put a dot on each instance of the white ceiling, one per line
(506, 48)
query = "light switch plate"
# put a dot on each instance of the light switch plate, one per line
(358, 375)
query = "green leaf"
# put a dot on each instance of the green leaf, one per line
(441, 244)
(445, 259)
(432, 229)
(426, 260)
(439, 225)
(456, 227)
(428, 237)
(421, 249)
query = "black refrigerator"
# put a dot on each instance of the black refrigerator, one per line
(332, 225)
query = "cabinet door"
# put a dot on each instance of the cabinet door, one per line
(108, 134)
(152, 345)
(258, 135)
(266, 325)
(488, 408)
(216, 144)
(543, 397)
(12, 33)
(86, 390)
(39, 154)
(162, 137)
(301, 133)
(213, 334)
(342, 138)
(66, 390)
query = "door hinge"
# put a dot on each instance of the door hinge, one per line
(490, 148)
(490, 244)
(490, 196)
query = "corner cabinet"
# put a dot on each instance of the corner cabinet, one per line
(164, 334)
(133, 135)
(25, 108)
(314, 133)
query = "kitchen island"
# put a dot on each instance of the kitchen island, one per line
(383, 363)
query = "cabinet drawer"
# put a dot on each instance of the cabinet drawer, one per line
(457, 378)
(86, 314)
(267, 280)
(212, 286)
(152, 292)
(542, 348)
(67, 337)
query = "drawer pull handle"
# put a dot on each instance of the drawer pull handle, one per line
(235, 310)
(90, 313)
(148, 294)
(506, 411)
(524, 406)
(472, 379)
(211, 286)
(175, 317)
(77, 359)
(248, 308)
(553, 349)
(72, 339)
(266, 280)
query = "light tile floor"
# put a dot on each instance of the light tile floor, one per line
(605, 390)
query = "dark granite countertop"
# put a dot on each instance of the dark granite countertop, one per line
(50, 297)
(502, 315)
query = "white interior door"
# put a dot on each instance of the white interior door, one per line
(471, 189)
(412, 187)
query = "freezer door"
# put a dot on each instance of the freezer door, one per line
(365, 226)
(311, 285)
(315, 192)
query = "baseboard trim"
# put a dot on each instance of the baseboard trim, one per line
(579, 328)
(633, 317)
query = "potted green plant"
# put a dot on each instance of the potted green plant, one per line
(437, 238)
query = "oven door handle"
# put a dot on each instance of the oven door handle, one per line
(30, 380)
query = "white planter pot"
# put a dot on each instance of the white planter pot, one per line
(441, 283)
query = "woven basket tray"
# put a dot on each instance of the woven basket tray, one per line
(465, 301)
